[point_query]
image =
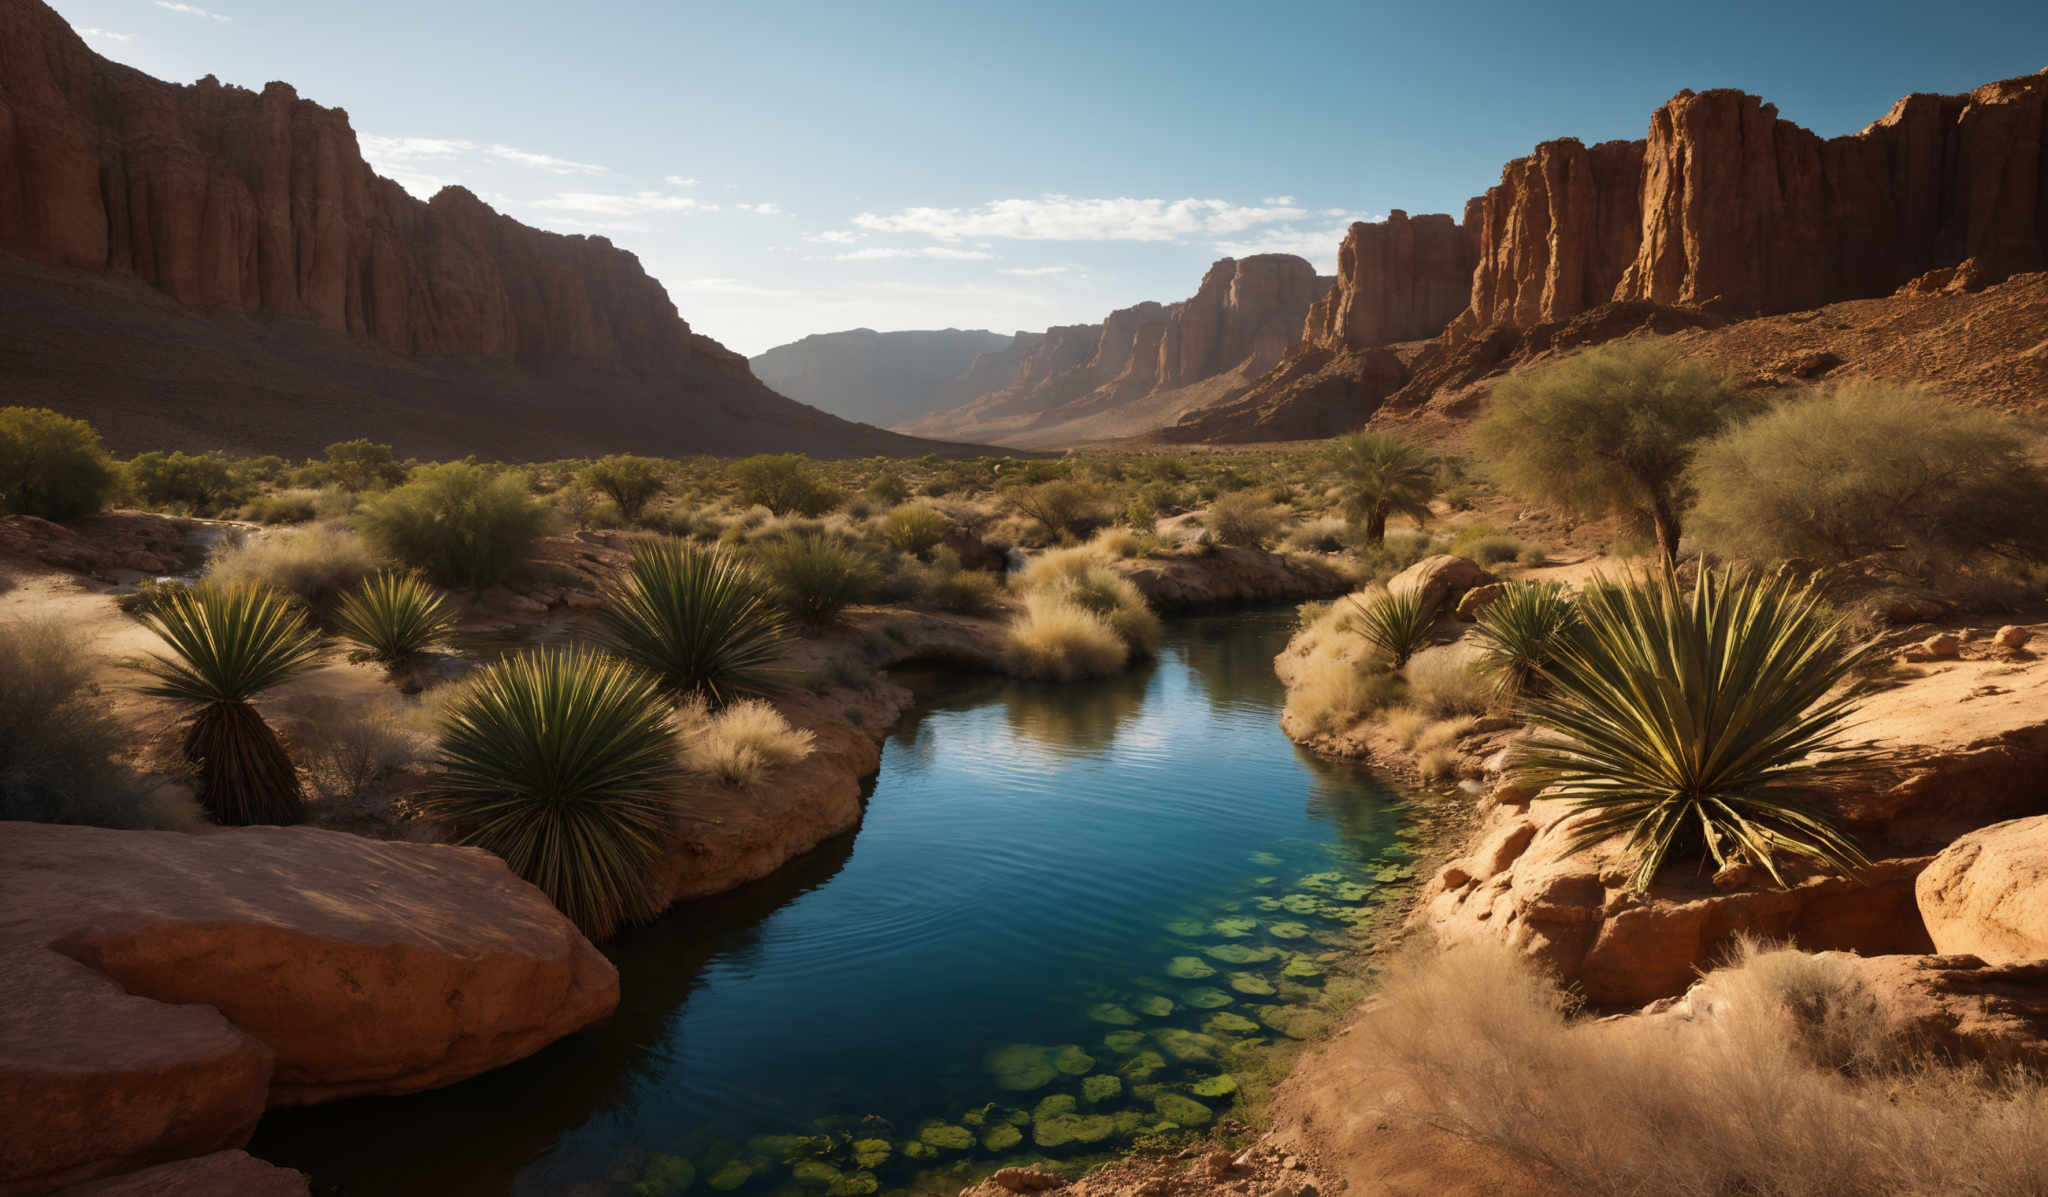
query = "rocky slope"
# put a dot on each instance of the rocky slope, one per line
(1143, 365)
(878, 377)
(256, 213)
(1724, 212)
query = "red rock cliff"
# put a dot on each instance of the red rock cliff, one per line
(1400, 279)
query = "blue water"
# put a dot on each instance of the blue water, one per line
(1137, 881)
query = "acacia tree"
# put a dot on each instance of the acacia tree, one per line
(1607, 431)
(1383, 476)
(631, 482)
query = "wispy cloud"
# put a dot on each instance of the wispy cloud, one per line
(761, 209)
(189, 10)
(1036, 271)
(1068, 218)
(679, 181)
(1318, 244)
(412, 150)
(104, 35)
(944, 253)
(834, 237)
(638, 203)
(1279, 201)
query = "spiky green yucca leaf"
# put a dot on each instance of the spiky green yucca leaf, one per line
(1520, 631)
(563, 763)
(1397, 622)
(394, 615)
(1689, 717)
(229, 644)
(702, 620)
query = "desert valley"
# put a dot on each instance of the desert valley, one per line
(1545, 697)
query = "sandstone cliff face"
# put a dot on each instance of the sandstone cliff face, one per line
(1400, 279)
(1555, 234)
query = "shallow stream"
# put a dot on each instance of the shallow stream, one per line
(1072, 916)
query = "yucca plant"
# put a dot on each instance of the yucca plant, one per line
(1520, 631)
(816, 576)
(229, 644)
(563, 762)
(393, 615)
(1687, 719)
(702, 620)
(1397, 622)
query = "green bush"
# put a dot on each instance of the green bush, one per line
(818, 576)
(1687, 719)
(203, 484)
(359, 465)
(394, 616)
(1243, 518)
(1061, 507)
(464, 524)
(888, 487)
(1396, 622)
(51, 466)
(915, 529)
(784, 483)
(701, 620)
(316, 562)
(1872, 470)
(564, 764)
(631, 482)
(1520, 630)
(1381, 476)
(229, 644)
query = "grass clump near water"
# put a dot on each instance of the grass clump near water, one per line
(315, 563)
(464, 524)
(1687, 719)
(817, 576)
(227, 645)
(1340, 677)
(59, 743)
(1521, 630)
(1058, 639)
(394, 616)
(703, 621)
(564, 763)
(739, 744)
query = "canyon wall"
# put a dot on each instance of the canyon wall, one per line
(876, 377)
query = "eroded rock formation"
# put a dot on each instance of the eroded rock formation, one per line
(1984, 894)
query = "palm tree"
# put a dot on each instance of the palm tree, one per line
(1383, 476)
(229, 644)
(1690, 720)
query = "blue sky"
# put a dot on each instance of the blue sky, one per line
(789, 168)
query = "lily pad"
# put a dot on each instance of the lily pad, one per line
(1287, 930)
(1187, 927)
(1141, 1065)
(1001, 1138)
(919, 1151)
(1187, 968)
(1071, 1060)
(1215, 1086)
(1238, 953)
(665, 1176)
(730, 1176)
(1234, 928)
(945, 1136)
(1189, 1047)
(1352, 891)
(1301, 904)
(1112, 1014)
(816, 1173)
(871, 1153)
(1021, 1067)
(1055, 1105)
(1100, 1087)
(1250, 985)
(1154, 1005)
(1301, 968)
(1123, 1042)
(1267, 905)
(1207, 998)
(1295, 1022)
(854, 1184)
(1225, 1023)
(1183, 1111)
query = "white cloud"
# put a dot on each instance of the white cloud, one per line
(1318, 245)
(679, 181)
(1340, 212)
(1067, 218)
(189, 10)
(399, 151)
(104, 35)
(877, 254)
(1035, 271)
(1279, 201)
(834, 237)
(733, 286)
(761, 209)
(638, 203)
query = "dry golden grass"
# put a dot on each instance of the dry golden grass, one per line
(739, 744)
(1786, 1086)
(1057, 639)
(1446, 681)
(315, 562)
(1339, 679)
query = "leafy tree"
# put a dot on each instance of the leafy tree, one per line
(1061, 506)
(361, 465)
(201, 483)
(1383, 476)
(784, 483)
(631, 482)
(1607, 431)
(51, 466)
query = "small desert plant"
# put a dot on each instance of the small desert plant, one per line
(352, 746)
(1332, 691)
(229, 644)
(1243, 518)
(51, 466)
(630, 482)
(1057, 639)
(1520, 631)
(1124, 543)
(1487, 547)
(1060, 506)
(888, 487)
(1381, 476)
(394, 616)
(701, 620)
(739, 744)
(1687, 719)
(1396, 622)
(784, 483)
(915, 529)
(1446, 681)
(817, 576)
(563, 762)
(148, 594)
(282, 507)
(315, 563)
(464, 524)
(1116, 599)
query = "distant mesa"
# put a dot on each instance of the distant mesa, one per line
(878, 377)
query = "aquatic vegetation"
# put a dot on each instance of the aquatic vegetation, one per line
(1071, 1060)
(871, 1153)
(564, 764)
(1001, 1138)
(1100, 1087)
(665, 1176)
(394, 616)
(1207, 999)
(1182, 1111)
(1234, 928)
(1189, 1047)
(945, 1136)
(1251, 985)
(1187, 927)
(229, 644)
(730, 1176)
(1188, 968)
(1021, 1067)
(702, 620)
(1226, 1023)
(1237, 953)
(1288, 930)
(1153, 1005)
(1112, 1014)
(1222, 1085)
(1141, 1066)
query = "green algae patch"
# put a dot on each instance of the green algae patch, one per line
(854, 1184)
(1302, 968)
(1265, 858)
(1112, 1014)
(1287, 930)
(1100, 1087)
(1234, 928)
(1142, 1065)
(1189, 1047)
(1207, 998)
(1001, 1138)
(1295, 1022)
(1123, 1043)
(916, 1150)
(1238, 953)
(1251, 986)
(1187, 928)
(665, 1176)
(1214, 1086)
(1021, 1067)
(814, 1173)
(730, 1176)
(1154, 1005)
(1188, 968)
(1301, 904)
(1071, 1060)
(871, 1153)
(1182, 1111)
(1226, 1023)
(1055, 1123)
(945, 1136)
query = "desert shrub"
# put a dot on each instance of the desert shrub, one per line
(1520, 630)
(1243, 518)
(741, 743)
(1447, 681)
(352, 746)
(298, 506)
(968, 591)
(784, 483)
(394, 616)
(915, 529)
(227, 645)
(1381, 476)
(1317, 536)
(1062, 507)
(1393, 554)
(817, 576)
(1395, 622)
(315, 563)
(888, 487)
(202, 484)
(1056, 566)
(1331, 692)
(1116, 599)
(148, 594)
(1686, 719)
(564, 763)
(703, 621)
(1866, 469)
(362, 465)
(1123, 543)
(1607, 431)
(51, 466)
(1141, 514)
(630, 482)
(1057, 639)
(1486, 546)
(60, 744)
(464, 524)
